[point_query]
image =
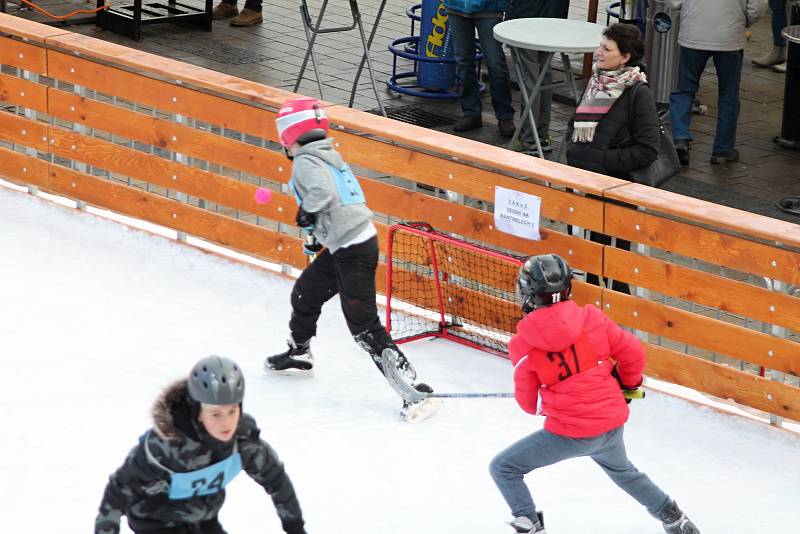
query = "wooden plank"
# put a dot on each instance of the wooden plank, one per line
(22, 55)
(715, 215)
(156, 66)
(23, 131)
(711, 246)
(27, 29)
(21, 92)
(724, 382)
(227, 232)
(703, 332)
(703, 288)
(165, 96)
(170, 175)
(168, 135)
(22, 169)
(466, 179)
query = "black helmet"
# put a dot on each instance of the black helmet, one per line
(216, 380)
(543, 280)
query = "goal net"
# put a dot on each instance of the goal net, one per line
(441, 286)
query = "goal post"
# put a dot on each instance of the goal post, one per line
(441, 286)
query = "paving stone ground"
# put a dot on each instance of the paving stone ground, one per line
(271, 53)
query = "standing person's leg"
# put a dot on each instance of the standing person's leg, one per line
(611, 456)
(355, 278)
(729, 75)
(463, 33)
(499, 80)
(250, 15)
(224, 10)
(776, 54)
(540, 449)
(613, 459)
(315, 286)
(691, 64)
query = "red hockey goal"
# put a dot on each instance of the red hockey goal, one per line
(441, 286)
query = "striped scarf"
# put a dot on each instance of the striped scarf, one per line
(602, 90)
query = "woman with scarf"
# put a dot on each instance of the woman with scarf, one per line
(615, 129)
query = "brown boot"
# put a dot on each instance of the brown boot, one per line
(224, 11)
(247, 17)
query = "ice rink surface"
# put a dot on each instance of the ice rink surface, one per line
(97, 318)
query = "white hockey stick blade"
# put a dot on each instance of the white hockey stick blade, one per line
(398, 382)
(421, 410)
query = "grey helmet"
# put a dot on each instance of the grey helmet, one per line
(216, 380)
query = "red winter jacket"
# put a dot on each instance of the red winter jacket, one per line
(563, 352)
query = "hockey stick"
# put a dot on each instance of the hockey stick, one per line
(628, 394)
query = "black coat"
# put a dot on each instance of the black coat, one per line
(552, 9)
(626, 138)
(139, 488)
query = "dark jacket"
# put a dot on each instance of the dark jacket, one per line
(550, 9)
(139, 489)
(626, 138)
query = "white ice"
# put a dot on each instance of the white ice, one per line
(96, 318)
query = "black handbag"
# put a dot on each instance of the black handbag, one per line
(666, 164)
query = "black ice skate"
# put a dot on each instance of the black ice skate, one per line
(297, 360)
(523, 525)
(675, 521)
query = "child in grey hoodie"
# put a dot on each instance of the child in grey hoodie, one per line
(333, 212)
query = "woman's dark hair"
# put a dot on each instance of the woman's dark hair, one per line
(628, 38)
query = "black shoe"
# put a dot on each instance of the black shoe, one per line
(465, 124)
(297, 360)
(682, 148)
(730, 157)
(506, 127)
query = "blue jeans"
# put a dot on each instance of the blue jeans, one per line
(778, 8)
(729, 72)
(543, 448)
(463, 32)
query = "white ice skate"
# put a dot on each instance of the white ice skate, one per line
(417, 405)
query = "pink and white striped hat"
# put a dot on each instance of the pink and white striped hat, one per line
(301, 120)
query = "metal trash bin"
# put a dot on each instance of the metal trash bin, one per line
(790, 125)
(661, 49)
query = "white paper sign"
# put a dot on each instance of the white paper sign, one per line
(517, 213)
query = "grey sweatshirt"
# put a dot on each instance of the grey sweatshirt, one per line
(337, 224)
(716, 25)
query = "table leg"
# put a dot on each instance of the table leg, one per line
(569, 76)
(311, 36)
(530, 99)
(367, 43)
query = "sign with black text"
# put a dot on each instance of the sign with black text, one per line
(517, 213)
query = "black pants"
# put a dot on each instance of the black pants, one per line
(254, 5)
(206, 527)
(350, 273)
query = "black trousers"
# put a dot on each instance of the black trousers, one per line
(254, 5)
(206, 527)
(350, 273)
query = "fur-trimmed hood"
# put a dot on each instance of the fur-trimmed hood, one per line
(173, 398)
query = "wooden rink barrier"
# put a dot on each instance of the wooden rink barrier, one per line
(714, 290)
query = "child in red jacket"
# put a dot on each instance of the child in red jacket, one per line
(564, 357)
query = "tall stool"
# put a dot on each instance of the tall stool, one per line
(312, 30)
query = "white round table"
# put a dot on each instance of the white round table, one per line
(554, 36)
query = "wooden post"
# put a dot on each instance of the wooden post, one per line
(587, 58)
